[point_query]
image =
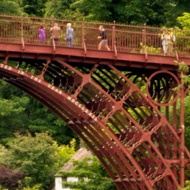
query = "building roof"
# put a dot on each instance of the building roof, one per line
(79, 155)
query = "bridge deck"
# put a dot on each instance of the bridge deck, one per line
(131, 46)
(77, 55)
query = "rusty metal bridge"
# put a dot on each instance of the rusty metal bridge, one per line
(122, 102)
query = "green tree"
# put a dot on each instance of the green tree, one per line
(39, 157)
(184, 20)
(56, 8)
(36, 156)
(176, 10)
(10, 7)
(154, 13)
(4, 154)
(34, 7)
(12, 111)
(105, 10)
(65, 152)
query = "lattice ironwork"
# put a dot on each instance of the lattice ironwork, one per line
(127, 117)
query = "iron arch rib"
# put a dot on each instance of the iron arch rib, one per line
(63, 109)
(111, 114)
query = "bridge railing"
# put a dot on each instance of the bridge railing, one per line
(121, 38)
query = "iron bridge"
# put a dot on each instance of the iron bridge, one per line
(122, 102)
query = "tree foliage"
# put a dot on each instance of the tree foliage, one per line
(34, 7)
(38, 157)
(155, 13)
(56, 8)
(65, 152)
(35, 156)
(184, 20)
(105, 10)
(10, 7)
(177, 10)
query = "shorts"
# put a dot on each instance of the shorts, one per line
(104, 42)
(56, 39)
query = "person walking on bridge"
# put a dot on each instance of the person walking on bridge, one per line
(103, 37)
(69, 35)
(42, 35)
(55, 30)
(165, 40)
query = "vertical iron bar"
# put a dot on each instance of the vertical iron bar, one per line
(82, 45)
(175, 143)
(144, 42)
(22, 33)
(182, 138)
(144, 37)
(113, 36)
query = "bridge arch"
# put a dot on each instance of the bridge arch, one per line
(110, 113)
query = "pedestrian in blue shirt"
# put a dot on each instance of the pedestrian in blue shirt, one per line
(69, 35)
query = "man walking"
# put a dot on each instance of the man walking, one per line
(103, 37)
(55, 30)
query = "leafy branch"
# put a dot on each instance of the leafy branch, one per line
(184, 69)
(182, 66)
